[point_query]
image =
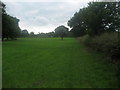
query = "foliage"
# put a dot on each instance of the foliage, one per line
(45, 35)
(3, 6)
(61, 31)
(32, 34)
(96, 18)
(10, 27)
(24, 33)
(107, 43)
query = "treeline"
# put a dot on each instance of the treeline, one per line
(100, 21)
(25, 33)
(60, 31)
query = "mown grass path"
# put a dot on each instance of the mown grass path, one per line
(53, 63)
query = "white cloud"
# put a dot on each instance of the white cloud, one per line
(43, 16)
(47, 0)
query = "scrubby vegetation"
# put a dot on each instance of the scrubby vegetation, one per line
(107, 43)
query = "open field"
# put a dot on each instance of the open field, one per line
(53, 63)
(0, 64)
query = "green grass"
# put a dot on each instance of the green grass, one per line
(0, 64)
(53, 63)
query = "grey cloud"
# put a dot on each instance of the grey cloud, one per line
(43, 13)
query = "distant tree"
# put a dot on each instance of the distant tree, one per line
(50, 34)
(24, 33)
(61, 31)
(41, 35)
(32, 34)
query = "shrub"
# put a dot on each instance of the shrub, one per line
(107, 43)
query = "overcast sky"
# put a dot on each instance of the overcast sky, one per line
(43, 16)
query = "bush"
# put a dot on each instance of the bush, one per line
(107, 43)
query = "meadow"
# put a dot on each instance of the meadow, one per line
(0, 65)
(54, 63)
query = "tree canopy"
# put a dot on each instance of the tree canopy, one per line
(96, 18)
(61, 31)
(10, 27)
(24, 33)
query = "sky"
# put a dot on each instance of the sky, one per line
(43, 15)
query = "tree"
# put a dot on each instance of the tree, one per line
(76, 23)
(24, 33)
(96, 18)
(3, 6)
(32, 34)
(104, 16)
(61, 31)
(45, 35)
(50, 34)
(10, 27)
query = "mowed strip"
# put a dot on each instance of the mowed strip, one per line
(54, 63)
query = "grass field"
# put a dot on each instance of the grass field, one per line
(0, 64)
(53, 63)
